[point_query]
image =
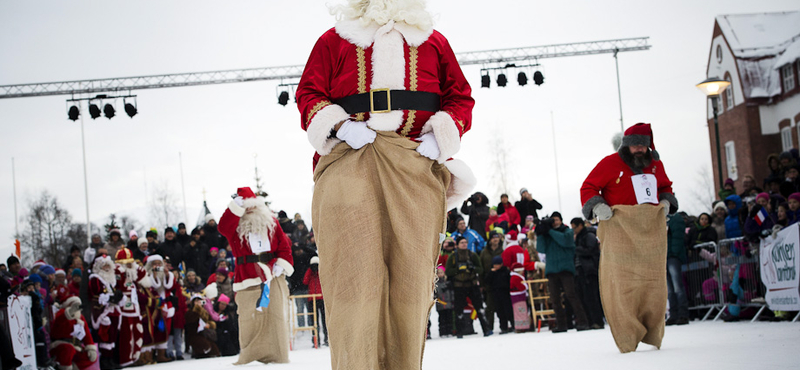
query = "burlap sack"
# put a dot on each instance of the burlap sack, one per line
(378, 212)
(633, 274)
(263, 336)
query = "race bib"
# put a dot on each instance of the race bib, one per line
(258, 245)
(78, 332)
(645, 186)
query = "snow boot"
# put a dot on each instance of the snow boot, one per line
(161, 356)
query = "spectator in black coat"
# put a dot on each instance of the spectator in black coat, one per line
(302, 260)
(195, 254)
(170, 248)
(499, 281)
(211, 236)
(587, 263)
(183, 236)
(527, 205)
(74, 251)
(477, 208)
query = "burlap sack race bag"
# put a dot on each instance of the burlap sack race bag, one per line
(378, 213)
(633, 274)
(264, 335)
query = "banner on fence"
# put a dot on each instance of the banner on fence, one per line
(20, 324)
(779, 268)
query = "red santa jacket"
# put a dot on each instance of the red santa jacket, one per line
(100, 291)
(516, 254)
(518, 285)
(610, 182)
(63, 328)
(253, 274)
(312, 281)
(352, 58)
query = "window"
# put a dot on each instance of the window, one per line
(719, 54)
(788, 78)
(786, 138)
(730, 155)
(729, 92)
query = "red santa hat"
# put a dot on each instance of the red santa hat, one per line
(61, 272)
(38, 263)
(640, 134)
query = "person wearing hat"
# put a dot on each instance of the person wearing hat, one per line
(114, 242)
(142, 250)
(791, 180)
(133, 240)
(718, 222)
(195, 254)
(201, 330)
(157, 308)
(48, 274)
(170, 248)
(311, 279)
(105, 311)
(587, 262)
(527, 206)
(129, 274)
(734, 222)
(494, 248)
(151, 236)
(498, 284)
(223, 312)
(263, 260)
(728, 188)
(634, 183)
(183, 236)
(71, 341)
(477, 208)
(794, 208)
(463, 268)
(211, 235)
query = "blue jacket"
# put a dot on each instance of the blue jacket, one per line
(476, 242)
(558, 245)
(732, 227)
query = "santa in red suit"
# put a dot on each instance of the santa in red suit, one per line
(384, 103)
(105, 309)
(514, 254)
(157, 308)
(129, 274)
(71, 342)
(630, 194)
(263, 256)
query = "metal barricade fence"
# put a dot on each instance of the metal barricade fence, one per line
(740, 270)
(703, 289)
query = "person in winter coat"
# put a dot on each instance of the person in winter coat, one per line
(475, 241)
(527, 206)
(498, 283)
(445, 299)
(463, 268)
(302, 260)
(193, 283)
(493, 249)
(733, 227)
(676, 257)
(211, 236)
(71, 342)
(702, 231)
(170, 248)
(311, 279)
(452, 220)
(133, 241)
(718, 221)
(791, 183)
(587, 257)
(195, 254)
(477, 208)
(300, 235)
(728, 189)
(224, 314)
(761, 221)
(183, 236)
(74, 251)
(198, 330)
(175, 344)
(782, 215)
(794, 208)
(556, 241)
(114, 242)
(506, 208)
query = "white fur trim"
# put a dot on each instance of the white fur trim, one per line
(321, 125)
(413, 35)
(388, 72)
(235, 209)
(446, 133)
(170, 280)
(462, 181)
(108, 346)
(287, 267)
(211, 290)
(146, 282)
(244, 284)
(363, 35)
(170, 312)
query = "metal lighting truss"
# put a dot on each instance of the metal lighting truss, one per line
(530, 53)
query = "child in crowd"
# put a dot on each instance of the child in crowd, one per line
(444, 304)
(499, 282)
(519, 298)
(311, 279)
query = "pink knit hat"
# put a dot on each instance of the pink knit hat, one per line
(224, 298)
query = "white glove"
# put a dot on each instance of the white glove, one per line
(355, 134)
(603, 212)
(666, 205)
(539, 265)
(276, 270)
(428, 146)
(103, 299)
(239, 201)
(91, 352)
(775, 230)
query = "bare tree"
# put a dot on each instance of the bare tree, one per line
(703, 192)
(47, 233)
(164, 205)
(501, 163)
(128, 223)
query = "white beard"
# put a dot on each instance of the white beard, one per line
(412, 12)
(260, 221)
(108, 276)
(131, 273)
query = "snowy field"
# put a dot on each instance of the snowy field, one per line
(707, 345)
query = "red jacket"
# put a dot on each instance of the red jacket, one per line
(312, 280)
(517, 283)
(516, 254)
(252, 274)
(610, 182)
(62, 329)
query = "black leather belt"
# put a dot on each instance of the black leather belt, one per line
(385, 100)
(253, 258)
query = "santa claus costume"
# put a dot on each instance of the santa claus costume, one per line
(630, 193)
(130, 341)
(71, 342)
(384, 103)
(105, 311)
(157, 309)
(263, 256)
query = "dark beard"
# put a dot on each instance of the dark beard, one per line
(636, 162)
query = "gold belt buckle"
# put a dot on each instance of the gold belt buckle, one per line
(372, 102)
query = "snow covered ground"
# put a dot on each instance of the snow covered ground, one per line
(707, 345)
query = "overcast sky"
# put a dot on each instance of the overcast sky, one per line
(219, 128)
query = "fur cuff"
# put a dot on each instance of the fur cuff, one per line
(287, 267)
(321, 125)
(244, 284)
(673, 201)
(589, 206)
(235, 209)
(447, 136)
(462, 181)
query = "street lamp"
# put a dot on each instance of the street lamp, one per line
(713, 87)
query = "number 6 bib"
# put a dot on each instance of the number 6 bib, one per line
(645, 187)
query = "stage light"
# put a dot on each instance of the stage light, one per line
(109, 110)
(522, 79)
(486, 81)
(94, 111)
(283, 98)
(502, 80)
(130, 109)
(74, 112)
(538, 78)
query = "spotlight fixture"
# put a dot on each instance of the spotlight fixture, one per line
(502, 80)
(485, 79)
(283, 98)
(522, 79)
(94, 111)
(130, 109)
(538, 78)
(74, 112)
(109, 111)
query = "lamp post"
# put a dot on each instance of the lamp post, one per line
(713, 87)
